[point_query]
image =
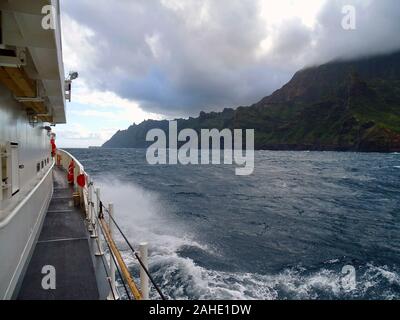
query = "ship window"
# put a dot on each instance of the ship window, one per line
(38, 167)
(42, 164)
(14, 168)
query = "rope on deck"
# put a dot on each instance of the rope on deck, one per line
(116, 264)
(115, 252)
(136, 255)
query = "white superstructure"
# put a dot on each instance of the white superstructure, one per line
(32, 97)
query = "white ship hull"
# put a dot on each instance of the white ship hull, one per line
(25, 153)
(71, 224)
(21, 215)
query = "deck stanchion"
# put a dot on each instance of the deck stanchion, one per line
(81, 191)
(97, 232)
(100, 228)
(93, 220)
(89, 199)
(113, 292)
(89, 218)
(144, 279)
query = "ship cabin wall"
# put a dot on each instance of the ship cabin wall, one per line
(22, 208)
(33, 149)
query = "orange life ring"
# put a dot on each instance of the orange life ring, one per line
(53, 147)
(81, 180)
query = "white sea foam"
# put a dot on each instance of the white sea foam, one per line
(142, 215)
(188, 279)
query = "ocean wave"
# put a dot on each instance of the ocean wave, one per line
(188, 193)
(144, 216)
(183, 279)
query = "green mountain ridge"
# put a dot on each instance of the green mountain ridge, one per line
(339, 106)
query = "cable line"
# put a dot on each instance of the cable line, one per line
(134, 252)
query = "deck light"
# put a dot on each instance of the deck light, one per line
(73, 75)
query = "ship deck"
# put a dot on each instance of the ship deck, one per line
(65, 244)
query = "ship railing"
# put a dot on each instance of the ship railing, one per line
(102, 231)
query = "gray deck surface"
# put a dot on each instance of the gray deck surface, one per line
(64, 244)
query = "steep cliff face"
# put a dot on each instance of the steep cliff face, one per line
(316, 83)
(347, 106)
(135, 135)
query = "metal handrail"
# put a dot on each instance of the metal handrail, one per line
(135, 253)
(118, 257)
(118, 270)
(96, 222)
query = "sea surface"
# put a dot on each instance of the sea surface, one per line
(304, 225)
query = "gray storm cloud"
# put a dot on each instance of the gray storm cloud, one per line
(180, 57)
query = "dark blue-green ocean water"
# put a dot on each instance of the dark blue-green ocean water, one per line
(285, 232)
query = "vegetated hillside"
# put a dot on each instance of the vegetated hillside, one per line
(346, 106)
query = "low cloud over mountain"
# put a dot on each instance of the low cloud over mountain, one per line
(176, 58)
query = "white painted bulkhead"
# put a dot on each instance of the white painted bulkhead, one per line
(26, 181)
(21, 215)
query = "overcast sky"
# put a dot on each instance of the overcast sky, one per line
(156, 59)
